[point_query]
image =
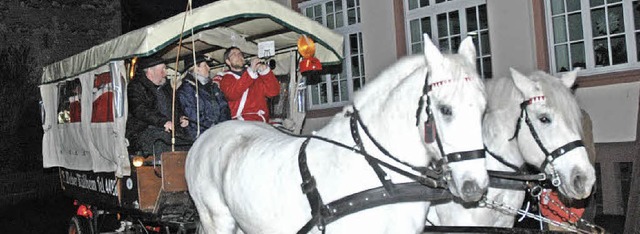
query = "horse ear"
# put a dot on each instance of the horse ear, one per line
(569, 78)
(468, 50)
(523, 83)
(431, 52)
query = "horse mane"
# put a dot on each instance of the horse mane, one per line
(386, 82)
(558, 97)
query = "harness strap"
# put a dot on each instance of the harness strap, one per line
(500, 183)
(405, 192)
(310, 189)
(560, 151)
(382, 176)
(517, 176)
(502, 160)
(466, 155)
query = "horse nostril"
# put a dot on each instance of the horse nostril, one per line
(578, 183)
(471, 191)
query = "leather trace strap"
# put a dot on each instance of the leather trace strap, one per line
(310, 189)
(517, 175)
(404, 192)
(501, 183)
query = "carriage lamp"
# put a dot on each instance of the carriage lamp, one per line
(138, 161)
(309, 65)
(133, 67)
(84, 211)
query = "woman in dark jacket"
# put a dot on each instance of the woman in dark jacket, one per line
(201, 99)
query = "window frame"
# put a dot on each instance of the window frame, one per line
(587, 36)
(432, 10)
(346, 30)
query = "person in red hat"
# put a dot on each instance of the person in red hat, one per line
(247, 89)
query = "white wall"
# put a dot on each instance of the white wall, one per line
(314, 124)
(378, 36)
(613, 110)
(512, 37)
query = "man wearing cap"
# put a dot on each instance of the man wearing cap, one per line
(247, 89)
(202, 101)
(149, 102)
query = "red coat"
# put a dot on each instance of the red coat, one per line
(254, 89)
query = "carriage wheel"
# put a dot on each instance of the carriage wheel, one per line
(80, 225)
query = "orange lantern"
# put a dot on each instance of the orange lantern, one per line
(306, 46)
(309, 65)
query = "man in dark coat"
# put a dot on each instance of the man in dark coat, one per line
(149, 122)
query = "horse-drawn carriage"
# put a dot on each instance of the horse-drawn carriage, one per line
(378, 164)
(84, 107)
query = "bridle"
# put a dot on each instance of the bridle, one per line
(549, 156)
(430, 133)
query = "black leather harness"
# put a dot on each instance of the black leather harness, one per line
(430, 186)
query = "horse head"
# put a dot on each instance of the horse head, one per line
(455, 105)
(550, 130)
(446, 123)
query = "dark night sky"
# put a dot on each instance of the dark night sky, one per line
(140, 13)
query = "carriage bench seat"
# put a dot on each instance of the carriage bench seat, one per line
(156, 182)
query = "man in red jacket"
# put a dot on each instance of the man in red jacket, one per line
(247, 89)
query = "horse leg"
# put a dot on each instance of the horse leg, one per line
(215, 217)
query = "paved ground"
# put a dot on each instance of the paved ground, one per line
(37, 216)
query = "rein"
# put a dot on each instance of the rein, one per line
(549, 156)
(426, 188)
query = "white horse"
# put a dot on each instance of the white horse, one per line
(555, 117)
(244, 177)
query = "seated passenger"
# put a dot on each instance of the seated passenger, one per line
(149, 118)
(203, 103)
(247, 89)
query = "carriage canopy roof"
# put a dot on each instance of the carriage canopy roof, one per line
(215, 27)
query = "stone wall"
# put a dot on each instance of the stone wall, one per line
(51, 31)
(58, 29)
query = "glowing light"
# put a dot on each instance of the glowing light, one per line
(137, 161)
(306, 46)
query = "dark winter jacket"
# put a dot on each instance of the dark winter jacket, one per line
(149, 105)
(212, 105)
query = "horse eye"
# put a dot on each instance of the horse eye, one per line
(445, 110)
(544, 119)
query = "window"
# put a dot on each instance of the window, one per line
(102, 98)
(448, 22)
(596, 35)
(69, 94)
(343, 16)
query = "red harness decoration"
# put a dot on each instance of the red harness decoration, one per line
(552, 208)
